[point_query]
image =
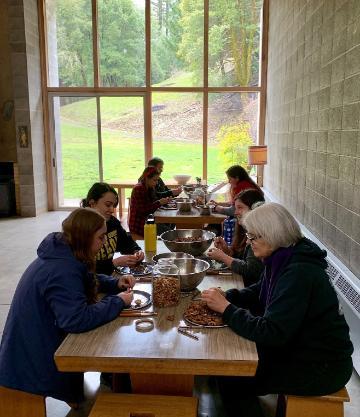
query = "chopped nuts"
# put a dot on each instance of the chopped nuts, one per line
(166, 291)
(200, 313)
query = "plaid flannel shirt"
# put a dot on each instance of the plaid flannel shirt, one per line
(141, 205)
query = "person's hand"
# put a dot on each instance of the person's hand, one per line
(220, 243)
(164, 200)
(127, 296)
(212, 203)
(215, 300)
(176, 191)
(217, 254)
(126, 282)
(126, 260)
(139, 256)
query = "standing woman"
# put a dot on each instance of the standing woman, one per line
(57, 295)
(239, 256)
(144, 201)
(239, 180)
(103, 198)
(292, 314)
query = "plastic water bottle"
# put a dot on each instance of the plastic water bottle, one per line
(229, 229)
(150, 234)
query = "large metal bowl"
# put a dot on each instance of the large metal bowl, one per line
(190, 272)
(194, 248)
(171, 255)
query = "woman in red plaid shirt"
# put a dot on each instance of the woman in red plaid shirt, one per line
(143, 201)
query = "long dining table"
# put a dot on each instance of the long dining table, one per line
(190, 220)
(161, 361)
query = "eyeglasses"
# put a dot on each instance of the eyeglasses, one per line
(251, 238)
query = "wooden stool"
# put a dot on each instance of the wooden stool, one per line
(137, 405)
(21, 404)
(326, 406)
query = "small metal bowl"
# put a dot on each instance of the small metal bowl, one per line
(184, 204)
(204, 210)
(171, 255)
(190, 272)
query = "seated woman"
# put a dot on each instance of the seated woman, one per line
(239, 180)
(292, 314)
(56, 295)
(239, 256)
(144, 201)
(103, 198)
(161, 189)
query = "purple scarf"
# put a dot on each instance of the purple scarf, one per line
(273, 266)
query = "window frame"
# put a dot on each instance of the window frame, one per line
(98, 91)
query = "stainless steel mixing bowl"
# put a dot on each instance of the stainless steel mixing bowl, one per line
(194, 248)
(190, 272)
(171, 255)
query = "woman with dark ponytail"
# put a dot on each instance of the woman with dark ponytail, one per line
(103, 198)
(239, 256)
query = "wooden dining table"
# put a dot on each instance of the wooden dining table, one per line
(190, 220)
(161, 361)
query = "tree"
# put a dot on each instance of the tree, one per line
(233, 39)
(233, 144)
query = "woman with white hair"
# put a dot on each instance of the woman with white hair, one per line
(292, 314)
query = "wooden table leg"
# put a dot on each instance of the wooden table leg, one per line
(162, 384)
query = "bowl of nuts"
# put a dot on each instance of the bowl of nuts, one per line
(190, 272)
(193, 241)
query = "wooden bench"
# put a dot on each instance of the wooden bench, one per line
(326, 406)
(137, 405)
(21, 404)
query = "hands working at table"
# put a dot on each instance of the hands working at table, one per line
(164, 200)
(129, 260)
(215, 299)
(219, 255)
(126, 282)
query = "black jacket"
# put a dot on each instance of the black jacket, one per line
(162, 190)
(116, 240)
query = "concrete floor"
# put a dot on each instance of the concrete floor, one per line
(19, 239)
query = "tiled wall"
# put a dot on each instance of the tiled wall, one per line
(313, 118)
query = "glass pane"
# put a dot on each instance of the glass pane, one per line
(232, 127)
(122, 132)
(177, 133)
(69, 40)
(122, 42)
(177, 37)
(76, 148)
(234, 41)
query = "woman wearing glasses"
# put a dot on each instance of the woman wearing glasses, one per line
(292, 314)
(239, 256)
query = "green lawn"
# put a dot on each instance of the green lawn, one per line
(124, 158)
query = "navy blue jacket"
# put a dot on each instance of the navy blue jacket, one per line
(50, 302)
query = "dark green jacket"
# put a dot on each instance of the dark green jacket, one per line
(302, 321)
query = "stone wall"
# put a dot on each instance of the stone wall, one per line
(313, 115)
(23, 42)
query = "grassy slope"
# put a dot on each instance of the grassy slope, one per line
(123, 157)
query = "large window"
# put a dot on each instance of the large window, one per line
(129, 79)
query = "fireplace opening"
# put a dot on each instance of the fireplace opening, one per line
(7, 190)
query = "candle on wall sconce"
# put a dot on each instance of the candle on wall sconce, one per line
(23, 136)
